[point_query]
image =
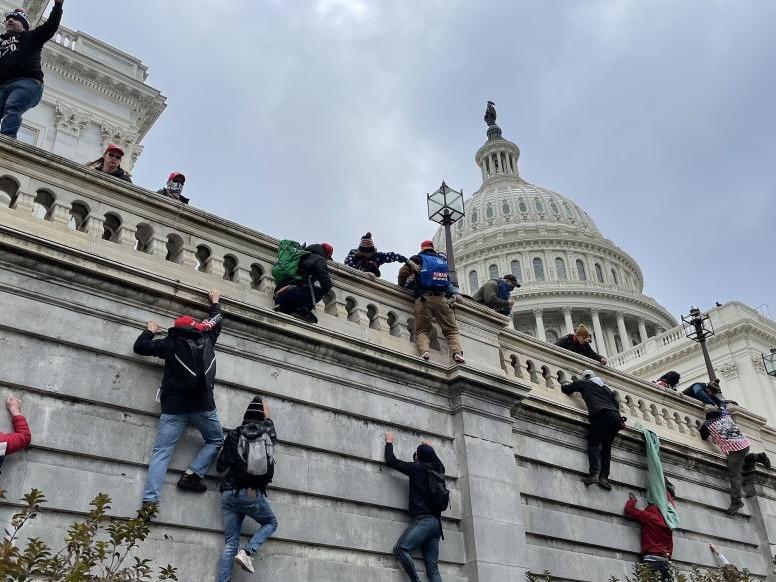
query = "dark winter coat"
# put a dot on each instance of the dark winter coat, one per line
(176, 398)
(229, 460)
(20, 51)
(570, 343)
(372, 263)
(495, 294)
(418, 474)
(165, 192)
(597, 398)
(117, 173)
(313, 267)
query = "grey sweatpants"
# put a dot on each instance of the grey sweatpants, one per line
(735, 469)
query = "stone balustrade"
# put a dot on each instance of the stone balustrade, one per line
(86, 259)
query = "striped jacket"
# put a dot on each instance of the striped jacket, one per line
(724, 432)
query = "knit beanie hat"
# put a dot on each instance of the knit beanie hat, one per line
(254, 412)
(21, 16)
(367, 245)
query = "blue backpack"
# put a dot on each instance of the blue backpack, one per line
(434, 275)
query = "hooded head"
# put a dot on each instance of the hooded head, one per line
(426, 454)
(590, 375)
(255, 412)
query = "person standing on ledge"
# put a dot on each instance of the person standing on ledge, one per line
(367, 258)
(603, 409)
(428, 499)
(110, 163)
(495, 294)
(579, 343)
(186, 395)
(427, 276)
(21, 75)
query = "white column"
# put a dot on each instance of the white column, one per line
(568, 320)
(539, 324)
(624, 337)
(643, 331)
(599, 333)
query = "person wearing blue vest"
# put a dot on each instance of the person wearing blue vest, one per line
(426, 275)
(495, 294)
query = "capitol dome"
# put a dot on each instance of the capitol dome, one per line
(569, 272)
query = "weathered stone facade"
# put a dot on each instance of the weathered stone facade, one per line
(86, 260)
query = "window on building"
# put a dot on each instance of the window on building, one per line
(505, 209)
(554, 207)
(517, 270)
(581, 273)
(493, 271)
(489, 211)
(538, 267)
(560, 267)
(475, 217)
(599, 274)
(521, 205)
(614, 276)
(474, 282)
(539, 205)
(569, 212)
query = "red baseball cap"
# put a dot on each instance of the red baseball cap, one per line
(427, 244)
(114, 148)
(328, 249)
(176, 175)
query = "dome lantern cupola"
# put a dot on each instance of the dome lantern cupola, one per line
(498, 158)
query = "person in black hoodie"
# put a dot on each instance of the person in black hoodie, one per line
(243, 494)
(300, 299)
(425, 530)
(110, 163)
(186, 395)
(603, 408)
(21, 75)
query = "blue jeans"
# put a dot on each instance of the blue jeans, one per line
(171, 427)
(16, 97)
(235, 505)
(698, 391)
(424, 533)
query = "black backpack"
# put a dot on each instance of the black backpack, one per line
(438, 493)
(187, 361)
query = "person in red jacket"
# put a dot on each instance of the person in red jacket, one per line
(657, 542)
(20, 438)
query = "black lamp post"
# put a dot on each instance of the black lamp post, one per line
(445, 207)
(697, 327)
(769, 360)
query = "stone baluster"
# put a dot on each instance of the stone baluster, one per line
(157, 247)
(128, 236)
(398, 326)
(95, 226)
(60, 213)
(216, 266)
(189, 258)
(242, 277)
(24, 201)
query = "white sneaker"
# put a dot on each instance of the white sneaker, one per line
(245, 561)
(425, 356)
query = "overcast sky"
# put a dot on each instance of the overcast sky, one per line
(321, 119)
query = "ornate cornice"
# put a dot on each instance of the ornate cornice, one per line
(70, 119)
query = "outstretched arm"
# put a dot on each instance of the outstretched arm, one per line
(20, 438)
(48, 29)
(146, 345)
(390, 458)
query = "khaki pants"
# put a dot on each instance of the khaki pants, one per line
(437, 307)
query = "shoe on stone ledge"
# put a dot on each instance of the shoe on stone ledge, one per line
(735, 505)
(763, 459)
(603, 483)
(305, 315)
(458, 358)
(245, 561)
(590, 479)
(425, 356)
(192, 482)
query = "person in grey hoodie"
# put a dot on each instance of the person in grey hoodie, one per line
(603, 408)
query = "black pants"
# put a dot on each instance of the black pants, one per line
(298, 297)
(603, 429)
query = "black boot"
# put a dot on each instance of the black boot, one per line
(192, 482)
(603, 483)
(735, 505)
(763, 459)
(590, 479)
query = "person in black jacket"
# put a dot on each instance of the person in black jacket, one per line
(243, 494)
(21, 75)
(579, 342)
(186, 395)
(603, 408)
(174, 187)
(110, 163)
(300, 299)
(425, 530)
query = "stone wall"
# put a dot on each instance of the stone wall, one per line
(513, 444)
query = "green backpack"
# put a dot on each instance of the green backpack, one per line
(290, 253)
